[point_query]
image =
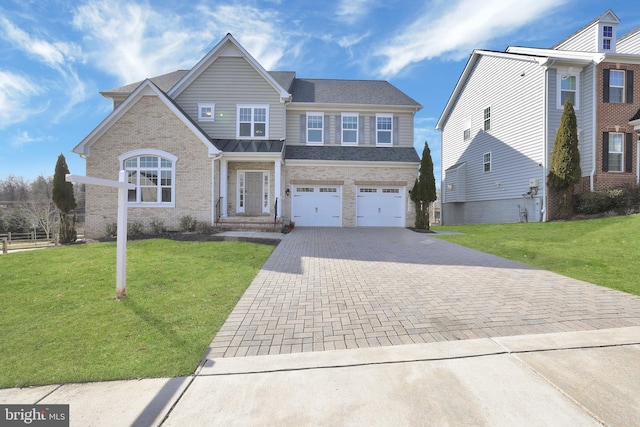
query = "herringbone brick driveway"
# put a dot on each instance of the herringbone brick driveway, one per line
(339, 288)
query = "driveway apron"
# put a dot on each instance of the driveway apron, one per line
(343, 288)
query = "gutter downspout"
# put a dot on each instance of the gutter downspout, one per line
(545, 145)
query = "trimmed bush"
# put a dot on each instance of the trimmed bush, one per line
(188, 223)
(135, 229)
(157, 226)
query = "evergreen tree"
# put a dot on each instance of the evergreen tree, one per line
(65, 201)
(424, 190)
(564, 171)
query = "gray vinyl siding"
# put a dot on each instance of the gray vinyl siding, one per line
(584, 41)
(629, 44)
(584, 117)
(296, 136)
(230, 81)
(514, 89)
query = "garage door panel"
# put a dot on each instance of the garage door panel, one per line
(379, 207)
(319, 206)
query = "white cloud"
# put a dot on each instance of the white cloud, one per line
(351, 11)
(465, 25)
(133, 41)
(16, 94)
(23, 138)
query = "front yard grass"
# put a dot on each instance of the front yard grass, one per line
(60, 322)
(603, 251)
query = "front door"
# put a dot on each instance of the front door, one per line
(253, 192)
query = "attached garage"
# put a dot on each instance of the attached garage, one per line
(317, 206)
(380, 206)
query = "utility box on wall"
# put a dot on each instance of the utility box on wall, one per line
(534, 182)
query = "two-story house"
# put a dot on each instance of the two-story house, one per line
(499, 125)
(228, 141)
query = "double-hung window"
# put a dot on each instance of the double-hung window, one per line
(467, 128)
(206, 112)
(568, 89)
(616, 152)
(607, 36)
(154, 177)
(486, 162)
(315, 128)
(487, 118)
(384, 129)
(616, 85)
(349, 128)
(253, 121)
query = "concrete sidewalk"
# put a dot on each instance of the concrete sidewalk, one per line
(559, 379)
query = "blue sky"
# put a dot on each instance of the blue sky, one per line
(56, 55)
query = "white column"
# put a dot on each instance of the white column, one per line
(277, 185)
(213, 191)
(223, 187)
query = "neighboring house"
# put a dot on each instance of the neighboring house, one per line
(229, 142)
(499, 125)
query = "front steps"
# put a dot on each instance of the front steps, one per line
(249, 223)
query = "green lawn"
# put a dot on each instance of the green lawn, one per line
(601, 251)
(60, 322)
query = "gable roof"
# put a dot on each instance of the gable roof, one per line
(146, 88)
(607, 17)
(363, 92)
(228, 46)
(164, 82)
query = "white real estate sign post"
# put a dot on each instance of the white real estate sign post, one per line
(121, 246)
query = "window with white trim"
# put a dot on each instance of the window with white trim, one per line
(253, 121)
(616, 152)
(349, 129)
(568, 88)
(616, 85)
(487, 118)
(384, 129)
(607, 36)
(467, 128)
(486, 162)
(315, 128)
(206, 112)
(154, 177)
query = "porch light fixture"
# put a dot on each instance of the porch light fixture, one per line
(287, 192)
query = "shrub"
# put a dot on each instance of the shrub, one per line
(157, 226)
(602, 201)
(135, 228)
(204, 228)
(188, 223)
(111, 230)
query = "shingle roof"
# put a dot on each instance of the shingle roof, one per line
(364, 92)
(284, 78)
(248, 146)
(375, 154)
(636, 117)
(164, 82)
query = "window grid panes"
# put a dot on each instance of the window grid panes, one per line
(487, 118)
(314, 128)
(384, 125)
(568, 89)
(616, 152)
(607, 31)
(486, 160)
(252, 122)
(616, 86)
(153, 177)
(350, 129)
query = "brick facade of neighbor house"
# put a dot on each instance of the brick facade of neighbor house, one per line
(614, 117)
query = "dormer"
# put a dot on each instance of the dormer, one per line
(606, 34)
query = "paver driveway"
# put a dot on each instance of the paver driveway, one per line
(337, 288)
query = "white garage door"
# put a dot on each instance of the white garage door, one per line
(317, 206)
(380, 207)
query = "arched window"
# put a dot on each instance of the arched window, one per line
(153, 172)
